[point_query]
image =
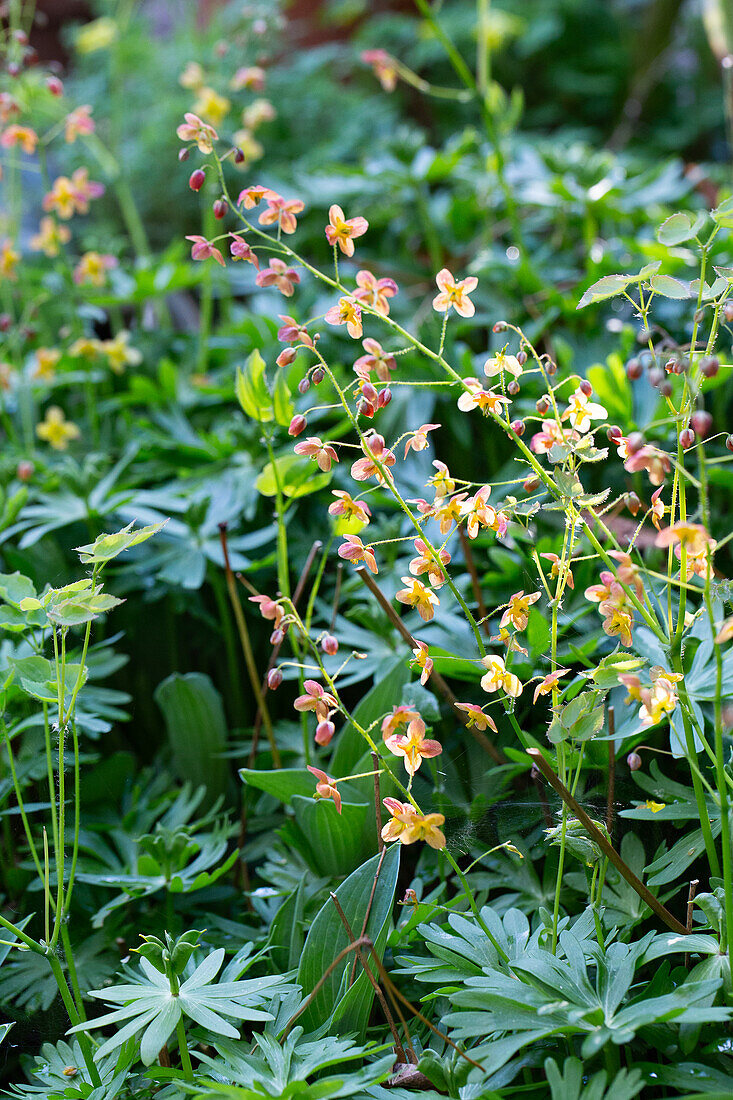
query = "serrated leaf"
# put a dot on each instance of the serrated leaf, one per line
(669, 287)
(676, 229)
(606, 287)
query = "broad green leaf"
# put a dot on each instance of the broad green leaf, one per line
(282, 783)
(251, 389)
(106, 547)
(281, 401)
(327, 937)
(298, 477)
(197, 730)
(612, 388)
(676, 229)
(337, 840)
(606, 287)
(669, 287)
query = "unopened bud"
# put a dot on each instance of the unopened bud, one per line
(286, 356)
(277, 636)
(614, 433)
(632, 503)
(729, 443)
(197, 179)
(297, 424)
(687, 438)
(385, 396)
(521, 358)
(318, 375)
(543, 405)
(643, 335)
(324, 732)
(54, 85)
(665, 388)
(304, 385)
(701, 421)
(329, 644)
(366, 408)
(184, 154)
(220, 208)
(500, 326)
(709, 366)
(585, 387)
(728, 311)
(634, 761)
(25, 470)
(518, 426)
(5, 322)
(634, 369)
(634, 442)
(238, 156)
(551, 368)
(531, 484)
(274, 679)
(369, 391)
(513, 388)
(656, 376)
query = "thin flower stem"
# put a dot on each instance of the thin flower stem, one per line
(183, 1050)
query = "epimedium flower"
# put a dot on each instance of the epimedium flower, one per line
(418, 440)
(446, 511)
(24, 136)
(258, 112)
(56, 430)
(250, 76)
(517, 610)
(658, 509)
(281, 212)
(202, 249)
(375, 451)
(476, 717)
(269, 609)
(196, 130)
(454, 295)
(46, 362)
(323, 453)
(375, 292)
(192, 77)
(423, 661)
(550, 681)
(280, 275)
(50, 237)
(211, 106)
(552, 433)
(376, 359)
(649, 458)
(408, 826)
(347, 312)
(242, 250)
(345, 505)
(291, 332)
(476, 397)
(354, 550)
(400, 717)
(508, 639)
(413, 746)
(119, 354)
(85, 189)
(78, 123)
(498, 678)
(441, 481)
(502, 363)
(581, 411)
(342, 231)
(317, 699)
(694, 539)
(425, 563)
(383, 66)
(418, 596)
(618, 621)
(92, 269)
(660, 700)
(9, 257)
(326, 787)
(556, 566)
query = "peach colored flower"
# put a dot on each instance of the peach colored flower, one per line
(78, 123)
(281, 212)
(447, 511)
(342, 231)
(376, 452)
(477, 717)
(454, 295)
(9, 258)
(384, 67)
(413, 746)
(425, 563)
(400, 716)
(50, 237)
(726, 632)
(498, 678)
(347, 312)
(269, 609)
(23, 136)
(476, 397)
(517, 611)
(580, 412)
(419, 597)
(418, 440)
(345, 505)
(317, 699)
(617, 621)
(423, 661)
(323, 453)
(555, 568)
(376, 359)
(250, 76)
(375, 292)
(651, 459)
(92, 269)
(291, 332)
(658, 509)
(326, 787)
(353, 549)
(202, 249)
(545, 686)
(552, 433)
(194, 129)
(252, 196)
(280, 275)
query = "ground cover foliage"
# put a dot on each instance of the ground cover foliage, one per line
(365, 665)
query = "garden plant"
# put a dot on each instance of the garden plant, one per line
(365, 544)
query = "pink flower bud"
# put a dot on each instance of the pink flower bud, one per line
(500, 326)
(197, 179)
(687, 438)
(370, 392)
(385, 396)
(220, 208)
(274, 679)
(297, 424)
(304, 385)
(54, 85)
(701, 421)
(585, 387)
(238, 156)
(634, 761)
(286, 356)
(635, 442)
(329, 644)
(632, 503)
(518, 426)
(318, 375)
(184, 154)
(25, 470)
(324, 732)
(634, 369)
(513, 388)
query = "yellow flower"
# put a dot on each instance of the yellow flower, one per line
(418, 596)
(211, 106)
(119, 353)
(498, 677)
(56, 429)
(655, 807)
(50, 237)
(46, 360)
(97, 35)
(8, 260)
(86, 347)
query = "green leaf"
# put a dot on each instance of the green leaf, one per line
(669, 287)
(676, 229)
(612, 388)
(106, 547)
(298, 477)
(327, 937)
(251, 389)
(386, 693)
(337, 840)
(281, 401)
(606, 287)
(197, 730)
(282, 783)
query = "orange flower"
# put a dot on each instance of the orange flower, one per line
(517, 612)
(425, 563)
(413, 746)
(384, 67)
(23, 136)
(400, 716)
(345, 505)
(78, 123)
(281, 212)
(617, 622)
(418, 440)
(545, 686)
(323, 453)
(454, 295)
(377, 457)
(50, 237)
(408, 826)
(375, 292)
(476, 397)
(477, 717)
(326, 787)
(194, 129)
(419, 597)
(342, 231)
(315, 699)
(423, 661)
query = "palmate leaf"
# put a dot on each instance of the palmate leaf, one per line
(149, 1006)
(572, 1082)
(273, 1068)
(49, 1080)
